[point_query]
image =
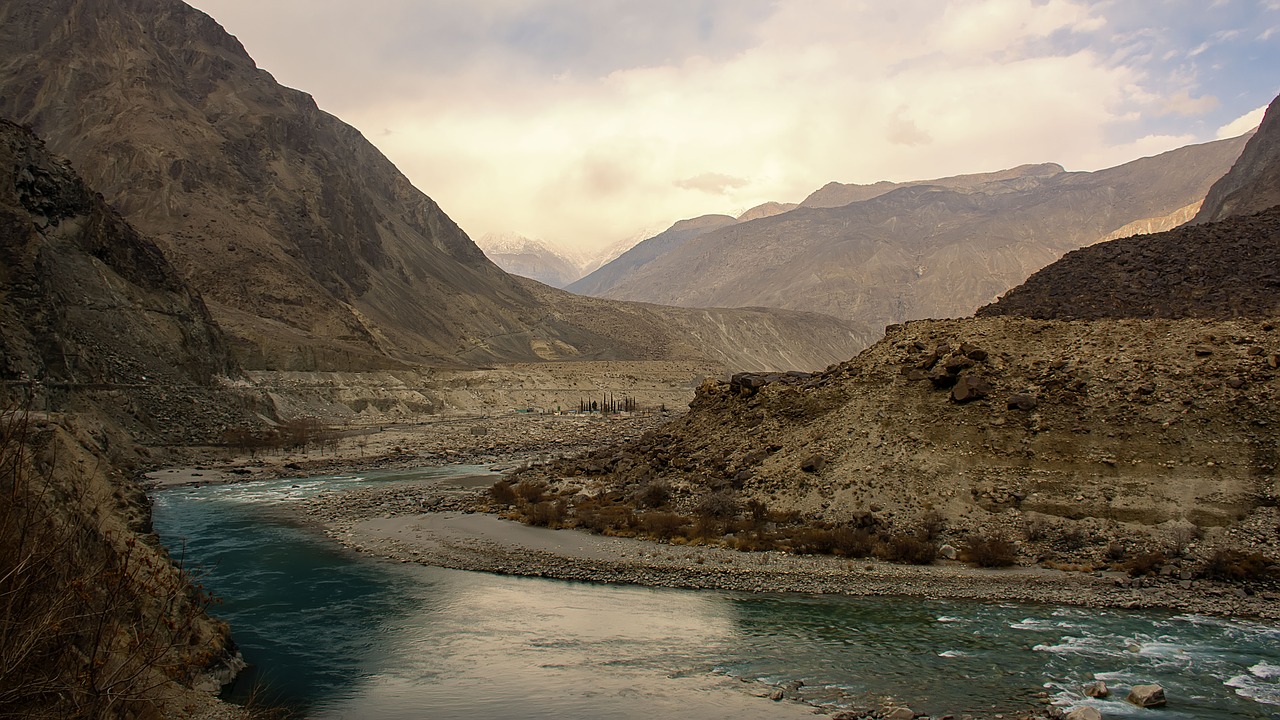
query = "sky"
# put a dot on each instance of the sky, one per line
(584, 123)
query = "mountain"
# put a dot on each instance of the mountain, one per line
(531, 258)
(1253, 184)
(836, 194)
(310, 249)
(922, 250)
(603, 280)
(91, 313)
(101, 345)
(1229, 268)
(765, 210)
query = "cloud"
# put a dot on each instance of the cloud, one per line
(582, 122)
(713, 183)
(1242, 124)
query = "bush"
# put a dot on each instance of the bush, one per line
(502, 493)
(547, 514)
(908, 549)
(990, 552)
(653, 494)
(1235, 566)
(662, 525)
(932, 525)
(718, 506)
(1148, 563)
(531, 491)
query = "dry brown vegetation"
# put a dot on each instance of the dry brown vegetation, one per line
(94, 621)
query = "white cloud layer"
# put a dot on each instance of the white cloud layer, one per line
(579, 123)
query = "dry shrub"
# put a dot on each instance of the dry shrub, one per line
(503, 493)
(606, 519)
(653, 494)
(908, 549)
(1148, 563)
(989, 552)
(531, 491)
(662, 525)
(1235, 566)
(932, 525)
(547, 514)
(717, 506)
(94, 623)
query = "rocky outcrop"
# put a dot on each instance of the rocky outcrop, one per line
(1253, 184)
(1138, 429)
(1223, 269)
(93, 316)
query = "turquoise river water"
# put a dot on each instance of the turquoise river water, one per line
(337, 634)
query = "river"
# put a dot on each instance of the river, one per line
(338, 634)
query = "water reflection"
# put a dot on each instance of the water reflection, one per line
(346, 636)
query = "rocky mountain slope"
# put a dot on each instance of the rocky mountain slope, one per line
(1140, 437)
(1223, 269)
(1253, 184)
(602, 280)
(309, 247)
(101, 344)
(92, 316)
(835, 194)
(922, 250)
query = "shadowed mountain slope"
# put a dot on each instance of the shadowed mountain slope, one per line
(601, 281)
(1253, 184)
(311, 250)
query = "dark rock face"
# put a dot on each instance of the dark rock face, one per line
(1223, 269)
(1253, 184)
(92, 312)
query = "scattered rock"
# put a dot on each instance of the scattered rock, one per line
(1097, 689)
(813, 464)
(1022, 401)
(1146, 696)
(970, 388)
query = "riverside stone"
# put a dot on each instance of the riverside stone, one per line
(1146, 696)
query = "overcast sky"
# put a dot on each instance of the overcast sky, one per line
(586, 122)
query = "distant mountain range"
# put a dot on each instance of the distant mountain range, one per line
(887, 252)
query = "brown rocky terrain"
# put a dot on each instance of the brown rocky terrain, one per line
(600, 281)
(921, 250)
(310, 249)
(1229, 268)
(1081, 442)
(92, 316)
(1253, 184)
(100, 344)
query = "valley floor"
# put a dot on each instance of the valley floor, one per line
(435, 524)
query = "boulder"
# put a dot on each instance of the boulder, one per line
(1022, 401)
(898, 713)
(1097, 689)
(948, 551)
(942, 379)
(970, 388)
(973, 352)
(1084, 713)
(813, 464)
(956, 363)
(1146, 696)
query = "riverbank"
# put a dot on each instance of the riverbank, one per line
(433, 524)
(503, 441)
